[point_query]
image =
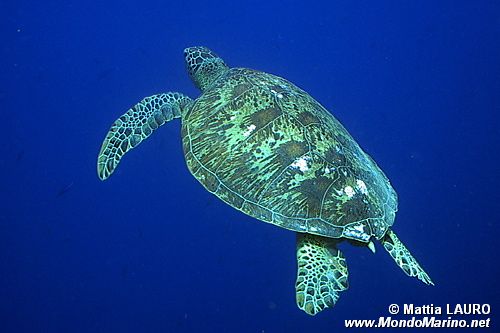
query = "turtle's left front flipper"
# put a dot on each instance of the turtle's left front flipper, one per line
(136, 125)
(403, 257)
(322, 273)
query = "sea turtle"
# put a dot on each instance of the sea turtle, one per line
(267, 148)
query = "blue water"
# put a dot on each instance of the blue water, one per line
(416, 83)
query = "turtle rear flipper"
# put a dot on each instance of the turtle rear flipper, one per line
(403, 257)
(321, 275)
(136, 125)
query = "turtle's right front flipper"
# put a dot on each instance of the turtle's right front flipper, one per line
(136, 125)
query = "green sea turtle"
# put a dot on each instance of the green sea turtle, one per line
(267, 148)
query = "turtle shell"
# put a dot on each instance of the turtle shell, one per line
(267, 148)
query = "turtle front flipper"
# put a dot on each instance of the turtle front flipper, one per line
(403, 257)
(321, 275)
(136, 125)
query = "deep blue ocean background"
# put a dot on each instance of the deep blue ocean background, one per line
(417, 83)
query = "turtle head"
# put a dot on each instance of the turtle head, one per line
(203, 65)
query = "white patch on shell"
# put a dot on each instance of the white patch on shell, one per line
(361, 186)
(301, 163)
(313, 229)
(277, 94)
(359, 227)
(327, 170)
(232, 118)
(249, 130)
(356, 231)
(349, 191)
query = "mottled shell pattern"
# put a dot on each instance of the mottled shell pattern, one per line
(267, 148)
